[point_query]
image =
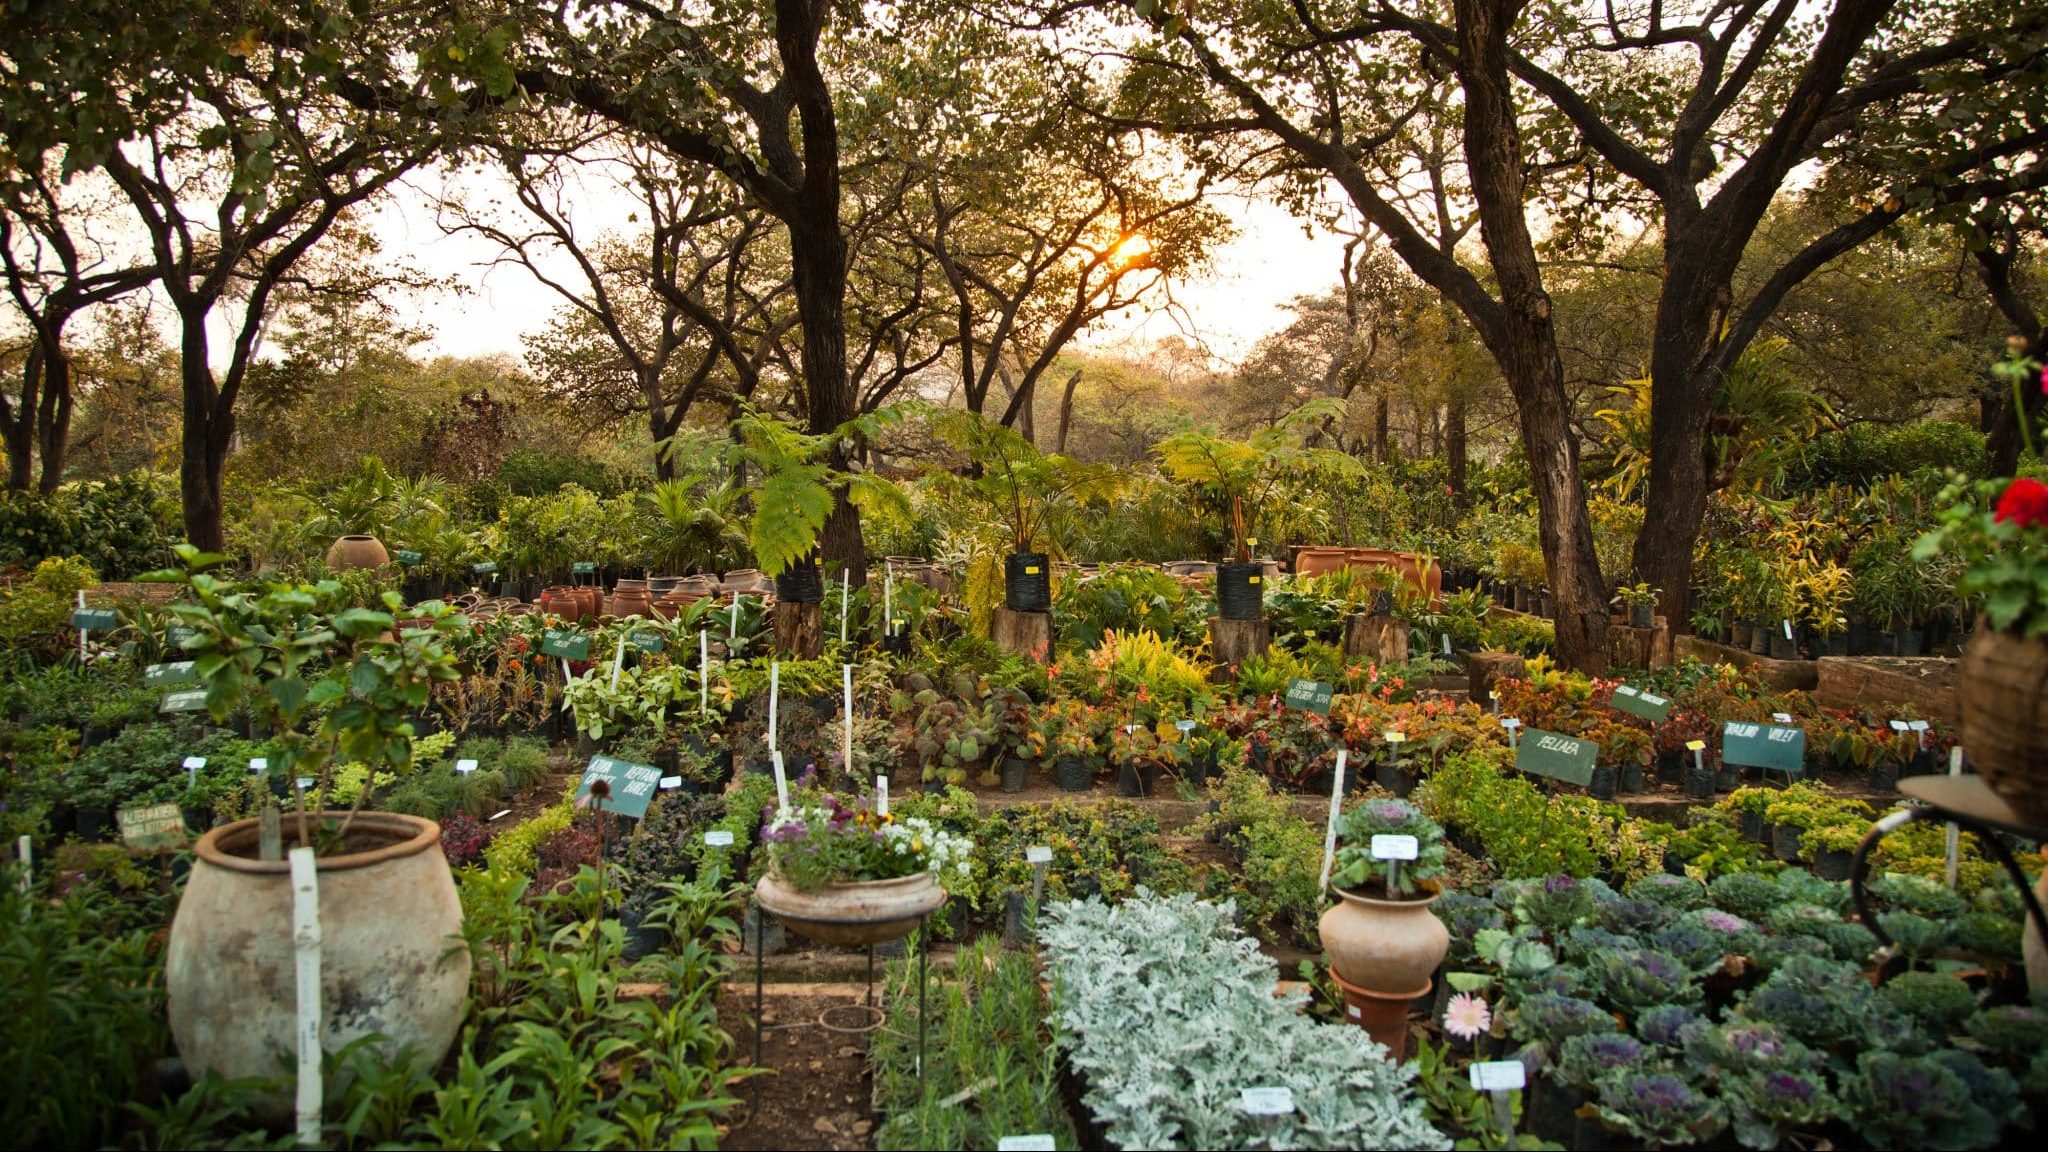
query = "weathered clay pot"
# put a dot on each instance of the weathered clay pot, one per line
(864, 912)
(1314, 561)
(391, 958)
(631, 598)
(1383, 1015)
(357, 552)
(562, 601)
(1388, 946)
(2002, 694)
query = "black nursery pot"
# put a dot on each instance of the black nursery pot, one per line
(1074, 774)
(1027, 582)
(1393, 779)
(1130, 779)
(1699, 785)
(1601, 786)
(1642, 615)
(1631, 780)
(1240, 591)
(1016, 770)
(800, 583)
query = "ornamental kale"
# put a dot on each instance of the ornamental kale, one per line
(1678, 893)
(1803, 887)
(1633, 979)
(1632, 917)
(1763, 1104)
(1919, 937)
(1658, 1108)
(2013, 1031)
(1746, 894)
(1465, 916)
(1553, 1018)
(1822, 1002)
(1585, 1059)
(1896, 1101)
(1937, 1000)
(1668, 1025)
(1556, 903)
(1356, 869)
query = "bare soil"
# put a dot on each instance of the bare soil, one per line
(816, 1092)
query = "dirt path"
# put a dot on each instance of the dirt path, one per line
(817, 1093)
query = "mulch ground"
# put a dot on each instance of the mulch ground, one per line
(816, 1092)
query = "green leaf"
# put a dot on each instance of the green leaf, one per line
(362, 623)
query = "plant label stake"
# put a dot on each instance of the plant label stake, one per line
(845, 584)
(1497, 1078)
(1036, 1142)
(25, 850)
(259, 765)
(465, 767)
(1510, 724)
(733, 632)
(1788, 630)
(619, 661)
(1699, 755)
(82, 630)
(306, 949)
(718, 838)
(781, 781)
(1955, 768)
(1495, 698)
(774, 693)
(881, 795)
(671, 783)
(888, 600)
(846, 729)
(703, 671)
(192, 766)
(1782, 717)
(1394, 849)
(1039, 856)
(1330, 827)
(1447, 643)
(1267, 1102)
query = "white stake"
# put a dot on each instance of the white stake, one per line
(703, 671)
(846, 729)
(1330, 829)
(306, 946)
(881, 795)
(774, 691)
(25, 848)
(619, 661)
(1955, 838)
(888, 598)
(734, 634)
(781, 782)
(81, 631)
(845, 577)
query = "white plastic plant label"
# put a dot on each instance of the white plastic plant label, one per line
(1899, 726)
(1184, 725)
(1036, 1142)
(1393, 847)
(305, 783)
(1510, 722)
(1038, 854)
(259, 764)
(465, 767)
(781, 781)
(1267, 1101)
(718, 838)
(671, 783)
(1782, 717)
(1917, 725)
(194, 763)
(1788, 629)
(1394, 736)
(499, 815)
(1499, 1076)
(881, 795)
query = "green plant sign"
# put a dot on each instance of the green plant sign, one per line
(646, 641)
(1565, 758)
(176, 635)
(583, 568)
(567, 643)
(1775, 747)
(151, 826)
(1313, 695)
(632, 785)
(191, 700)
(409, 558)
(1637, 702)
(484, 567)
(96, 618)
(165, 675)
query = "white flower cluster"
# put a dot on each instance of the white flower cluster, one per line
(939, 848)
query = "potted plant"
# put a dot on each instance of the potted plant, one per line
(1240, 477)
(1997, 536)
(1833, 847)
(1062, 738)
(1017, 487)
(803, 477)
(1748, 805)
(1640, 602)
(847, 874)
(337, 685)
(1011, 711)
(1382, 939)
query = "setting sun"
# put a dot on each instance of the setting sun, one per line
(1130, 250)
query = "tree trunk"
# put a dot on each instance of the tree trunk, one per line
(17, 431)
(1527, 340)
(1684, 383)
(1067, 411)
(1379, 427)
(53, 422)
(1455, 461)
(203, 450)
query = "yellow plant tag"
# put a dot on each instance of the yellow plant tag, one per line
(1253, 580)
(1696, 745)
(1031, 569)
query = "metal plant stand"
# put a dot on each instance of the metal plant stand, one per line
(1970, 804)
(760, 982)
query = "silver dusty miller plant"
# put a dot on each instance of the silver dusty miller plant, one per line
(1170, 1012)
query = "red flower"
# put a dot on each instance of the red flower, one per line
(2025, 503)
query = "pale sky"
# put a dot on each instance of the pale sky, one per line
(1244, 297)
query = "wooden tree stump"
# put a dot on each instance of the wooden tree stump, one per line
(1380, 639)
(799, 630)
(1482, 669)
(1231, 641)
(1629, 647)
(1028, 634)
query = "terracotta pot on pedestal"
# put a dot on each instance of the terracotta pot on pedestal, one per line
(1386, 950)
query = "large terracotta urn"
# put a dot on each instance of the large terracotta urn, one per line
(2002, 696)
(1388, 946)
(352, 552)
(392, 961)
(1316, 561)
(859, 912)
(630, 598)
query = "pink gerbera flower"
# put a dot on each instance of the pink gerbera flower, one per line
(1467, 1016)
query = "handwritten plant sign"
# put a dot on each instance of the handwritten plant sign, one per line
(1565, 758)
(165, 675)
(1775, 747)
(567, 643)
(409, 558)
(151, 826)
(96, 619)
(632, 785)
(1313, 695)
(191, 700)
(646, 641)
(1648, 705)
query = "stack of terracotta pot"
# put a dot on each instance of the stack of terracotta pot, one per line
(630, 598)
(574, 603)
(684, 592)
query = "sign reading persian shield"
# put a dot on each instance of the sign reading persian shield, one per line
(1565, 758)
(567, 643)
(152, 826)
(643, 640)
(632, 785)
(1776, 747)
(1314, 695)
(1647, 705)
